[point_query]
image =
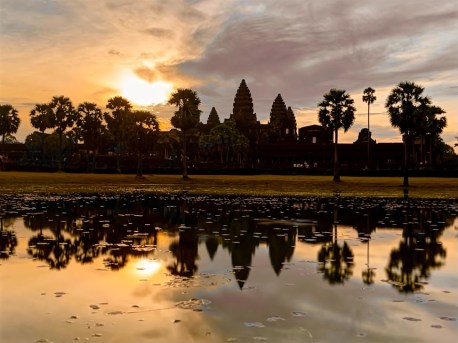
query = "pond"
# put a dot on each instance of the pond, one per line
(181, 268)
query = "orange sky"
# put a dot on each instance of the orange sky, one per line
(93, 50)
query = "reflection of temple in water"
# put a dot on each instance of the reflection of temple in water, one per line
(118, 229)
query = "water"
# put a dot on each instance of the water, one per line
(157, 268)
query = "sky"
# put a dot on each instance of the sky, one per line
(94, 50)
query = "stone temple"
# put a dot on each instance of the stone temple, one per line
(281, 145)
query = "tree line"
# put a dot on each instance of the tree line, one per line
(134, 131)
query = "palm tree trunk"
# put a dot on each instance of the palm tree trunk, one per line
(118, 163)
(368, 137)
(94, 159)
(185, 158)
(139, 158)
(406, 160)
(42, 147)
(139, 165)
(3, 151)
(59, 163)
(336, 158)
(422, 154)
(3, 144)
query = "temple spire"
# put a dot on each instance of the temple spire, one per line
(243, 112)
(282, 124)
(213, 118)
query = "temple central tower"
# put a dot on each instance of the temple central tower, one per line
(243, 112)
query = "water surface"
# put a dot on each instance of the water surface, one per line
(174, 268)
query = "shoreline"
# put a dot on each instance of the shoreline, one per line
(243, 185)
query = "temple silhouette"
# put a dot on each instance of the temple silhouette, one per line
(240, 144)
(280, 145)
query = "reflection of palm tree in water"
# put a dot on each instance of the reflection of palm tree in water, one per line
(365, 227)
(335, 261)
(419, 250)
(56, 250)
(368, 274)
(8, 240)
(185, 252)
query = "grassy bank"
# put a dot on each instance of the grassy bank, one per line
(296, 185)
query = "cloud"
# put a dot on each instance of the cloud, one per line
(299, 48)
(114, 52)
(159, 32)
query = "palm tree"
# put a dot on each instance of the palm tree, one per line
(91, 127)
(118, 122)
(146, 126)
(434, 127)
(185, 118)
(40, 118)
(404, 104)
(336, 111)
(369, 97)
(9, 121)
(62, 116)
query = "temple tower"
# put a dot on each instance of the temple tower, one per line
(282, 124)
(243, 112)
(213, 118)
(291, 123)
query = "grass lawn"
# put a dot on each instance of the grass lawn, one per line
(262, 185)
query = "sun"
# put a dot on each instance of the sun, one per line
(145, 93)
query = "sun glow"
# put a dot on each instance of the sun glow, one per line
(145, 93)
(146, 267)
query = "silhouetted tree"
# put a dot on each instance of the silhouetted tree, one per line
(433, 127)
(404, 104)
(185, 118)
(336, 111)
(90, 127)
(369, 97)
(62, 117)
(228, 142)
(9, 121)
(53, 145)
(146, 127)
(119, 122)
(40, 118)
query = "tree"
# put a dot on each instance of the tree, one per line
(118, 123)
(404, 104)
(336, 111)
(229, 142)
(369, 97)
(62, 117)
(146, 127)
(9, 121)
(90, 126)
(40, 118)
(434, 127)
(185, 118)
